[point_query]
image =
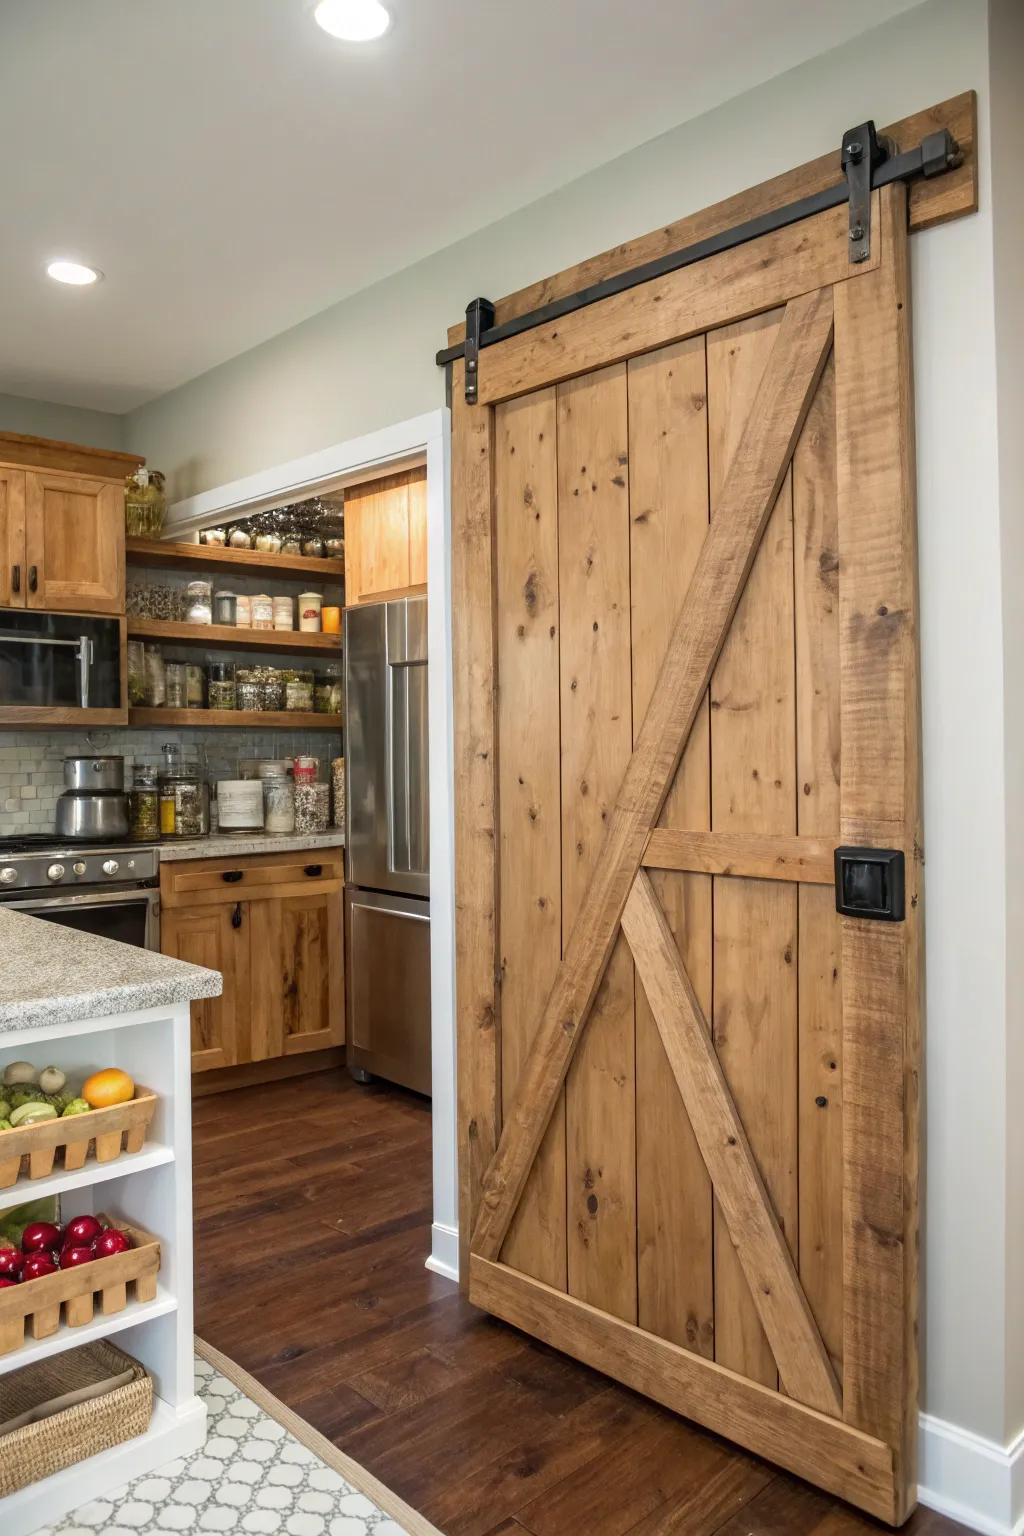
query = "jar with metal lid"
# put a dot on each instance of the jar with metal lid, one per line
(195, 685)
(156, 677)
(239, 538)
(312, 807)
(225, 608)
(221, 685)
(271, 689)
(248, 694)
(278, 798)
(328, 692)
(298, 690)
(269, 543)
(284, 613)
(199, 603)
(144, 804)
(306, 770)
(136, 672)
(291, 544)
(176, 694)
(313, 545)
(144, 503)
(243, 611)
(184, 793)
(261, 606)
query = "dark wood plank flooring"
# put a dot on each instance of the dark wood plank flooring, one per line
(313, 1208)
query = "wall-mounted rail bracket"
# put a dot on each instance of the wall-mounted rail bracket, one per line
(863, 151)
(479, 318)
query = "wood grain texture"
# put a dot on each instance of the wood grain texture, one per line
(753, 792)
(12, 538)
(72, 458)
(204, 935)
(753, 278)
(758, 470)
(811, 1444)
(169, 553)
(597, 741)
(739, 1189)
(747, 854)
(418, 527)
(377, 537)
(881, 806)
(529, 786)
(474, 673)
(931, 202)
(668, 483)
(74, 540)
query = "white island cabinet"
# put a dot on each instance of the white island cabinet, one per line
(84, 1003)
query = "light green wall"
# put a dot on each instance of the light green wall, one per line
(68, 423)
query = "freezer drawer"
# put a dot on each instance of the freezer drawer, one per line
(388, 961)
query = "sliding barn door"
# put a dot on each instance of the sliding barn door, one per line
(685, 619)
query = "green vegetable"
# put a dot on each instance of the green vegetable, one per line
(5, 1109)
(77, 1107)
(5, 1125)
(26, 1095)
(28, 1114)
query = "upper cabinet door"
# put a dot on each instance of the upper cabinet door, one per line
(13, 575)
(74, 543)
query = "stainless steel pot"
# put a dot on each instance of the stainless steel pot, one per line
(105, 774)
(92, 816)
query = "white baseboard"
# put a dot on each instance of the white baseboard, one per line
(444, 1251)
(971, 1479)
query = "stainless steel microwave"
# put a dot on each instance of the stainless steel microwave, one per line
(61, 661)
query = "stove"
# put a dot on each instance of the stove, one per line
(109, 889)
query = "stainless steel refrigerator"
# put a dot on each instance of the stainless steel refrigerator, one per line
(387, 843)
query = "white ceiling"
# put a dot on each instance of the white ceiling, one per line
(233, 170)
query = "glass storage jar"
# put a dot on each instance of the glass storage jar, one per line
(338, 790)
(195, 685)
(198, 603)
(144, 504)
(144, 804)
(184, 793)
(261, 607)
(225, 608)
(248, 688)
(221, 689)
(298, 690)
(239, 538)
(312, 807)
(213, 536)
(328, 692)
(176, 686)
(136, 672)
(156, 677)
(272, 688)
(278, 799)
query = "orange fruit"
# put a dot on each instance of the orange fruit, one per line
(111, 1086)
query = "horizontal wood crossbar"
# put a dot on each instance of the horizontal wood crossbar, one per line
(826, 1451)
(809, 860)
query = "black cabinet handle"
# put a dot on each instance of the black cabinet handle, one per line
(236, 916)
(232, 876)
(15, 578)
(313, 870)
(33, 578)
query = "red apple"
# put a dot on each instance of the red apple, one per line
(80, 1232)
(5, 1282)
(71, 1257)
(11, 1263)
(39, 1235)
(37, 1265)
(112, 1241)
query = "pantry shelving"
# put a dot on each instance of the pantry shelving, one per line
(102, 1326)
(227, 637)
(62, 1183)
(264, 720)
(217, 557)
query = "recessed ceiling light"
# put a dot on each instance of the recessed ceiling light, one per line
(73, 272)
(355, 21)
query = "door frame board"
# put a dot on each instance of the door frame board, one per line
(405, 443)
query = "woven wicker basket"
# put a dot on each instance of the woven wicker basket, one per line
(76, 1404)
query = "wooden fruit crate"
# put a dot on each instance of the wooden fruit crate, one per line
(38, 1303)
(32, 1149)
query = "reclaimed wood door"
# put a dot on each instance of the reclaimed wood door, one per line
(686, 637)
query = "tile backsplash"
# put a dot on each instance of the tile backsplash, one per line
(32, 761)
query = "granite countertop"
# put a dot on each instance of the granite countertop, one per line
(224, 845)
(54, 975)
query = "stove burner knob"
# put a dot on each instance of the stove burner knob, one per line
(55, 872)
(8, 876)
(110, 866)
(79, 868)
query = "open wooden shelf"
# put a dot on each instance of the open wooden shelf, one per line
(217, 557)
(228, 637)
(285, 720)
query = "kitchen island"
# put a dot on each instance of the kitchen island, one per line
(87, 1003)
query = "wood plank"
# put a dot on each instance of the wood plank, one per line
(931, 202)
(72, 458)
(739, 1189)
(758, 470)
(881, 805)
(217, 557)
(753, 790)
(377, 536)
(418, 527)
(474, 672)
(756, 277)
(668, 488)
(819, 982)
(264, 720)
(529, 788)
(813, 1445)
(597, 741)
(231, 637)
(807, 859)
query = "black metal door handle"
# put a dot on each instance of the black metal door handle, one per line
(236, 916)
(232, 876)
(33, 578)
(314, 869)
(15, 578)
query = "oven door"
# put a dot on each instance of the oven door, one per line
(132, 917)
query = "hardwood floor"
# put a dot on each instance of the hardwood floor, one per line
(313, 1208)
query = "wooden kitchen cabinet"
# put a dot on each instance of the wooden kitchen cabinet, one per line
(12, 538)
(386, 536)
(276, 921)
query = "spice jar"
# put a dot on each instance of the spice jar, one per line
(284, 613)
(184, 794)
(312, 807)
(247, 688)
(222, 685)
(243, 611)
(195, 686)
(156, 677)
(144, 804)
(298, 690)
(313, 544)
(239, 538)
(176, 692)
(269, 543)
(328, 693)
(213, 536)
(310, 604)
(291, 544)
(198, 605)
(306, 769)
(272, 688)
(136, 672)
(225, 608)
(262, 608)
(338, 790)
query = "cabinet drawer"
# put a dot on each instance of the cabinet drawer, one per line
(222, 880)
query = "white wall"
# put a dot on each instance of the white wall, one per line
(68, 423)
(369, 361)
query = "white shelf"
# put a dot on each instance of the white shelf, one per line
(101, 1327)
(172, 1432)
(61, 1183)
